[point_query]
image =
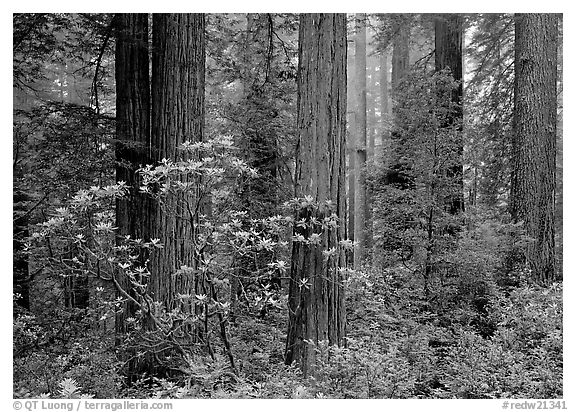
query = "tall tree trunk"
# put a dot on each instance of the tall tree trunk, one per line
(178, 62)
(371, 148)
(316, 296)
(558, 213)
(351, 109)
(534, 139)
(371, 108)
(133, 137)
(400, 50)
(448, 40)
(384, 109)
(360, 212)
(400, 62)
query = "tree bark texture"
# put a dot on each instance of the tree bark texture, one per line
(361, 206)
(316, 309)
(534, 139)
(178, 70)
(448, 55)
(133, 212)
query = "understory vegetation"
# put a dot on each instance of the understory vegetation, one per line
(483, 332)
(398, 347)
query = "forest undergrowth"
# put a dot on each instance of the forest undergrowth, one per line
(481, 332)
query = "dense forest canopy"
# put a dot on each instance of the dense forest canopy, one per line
(287, 206)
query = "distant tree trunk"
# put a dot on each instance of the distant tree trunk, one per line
(400, 50)
(133, 137)
(178, 62)
(351, 155)
(316, 296)
(20, 268)
(371, 108)
(384, 107)
(76, 292)
(534, 141)
(371, 149)
(398, 167)
(360, 212)
(558, 213)
(448, 40)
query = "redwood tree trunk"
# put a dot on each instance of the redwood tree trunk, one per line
(400, 50)
(448, 40)
(178, 62)
(351, 109)
(133, 136)
(534, 141)
(370, 150)
(400, 63)
(360, 199)
(316, 296)
(384, 110)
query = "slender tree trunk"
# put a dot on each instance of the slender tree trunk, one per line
(360, 212)
(534, 141)
(400, 50)
(20, 273)
(371, 149)
(384, 109)
(558, 212)
(178, 62)
(474, 190)
(371, 109)
(400, 62)
(448, 39)
(133, 138)
(316, 297)
(351, 155)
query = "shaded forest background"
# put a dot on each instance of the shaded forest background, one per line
(284, 206)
